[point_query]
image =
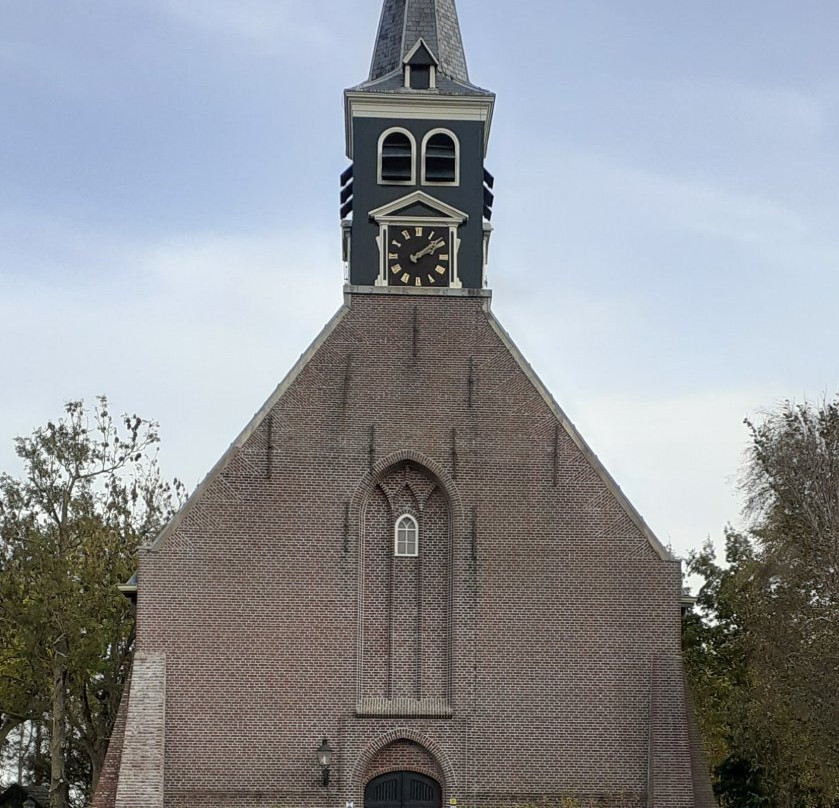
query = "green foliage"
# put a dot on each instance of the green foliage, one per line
(763, 652)
(91, 494)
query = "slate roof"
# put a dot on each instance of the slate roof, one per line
(395, 83)
(403, 22)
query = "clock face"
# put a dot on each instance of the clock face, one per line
(418, 255)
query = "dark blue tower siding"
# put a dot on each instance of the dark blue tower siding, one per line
(369, 195)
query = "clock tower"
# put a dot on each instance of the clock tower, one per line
(416, 201)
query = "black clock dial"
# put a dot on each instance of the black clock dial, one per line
(418, 255)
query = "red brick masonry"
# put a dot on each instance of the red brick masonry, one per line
(530, 651)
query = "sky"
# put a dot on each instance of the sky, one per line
(665, 249)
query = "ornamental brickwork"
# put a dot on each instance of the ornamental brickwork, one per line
(530, 651)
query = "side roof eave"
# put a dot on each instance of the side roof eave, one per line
(246, 433)
(580, 442)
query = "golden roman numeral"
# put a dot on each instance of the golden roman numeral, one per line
(405, 278)
(396, 269)
(443, 257)
(396, 243)
(392, 256)
(406, 235)
(417, 282)
(432, 280)
(431, 237)
(440, 270)
(419, 231)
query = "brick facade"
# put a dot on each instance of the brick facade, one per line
(530, 652)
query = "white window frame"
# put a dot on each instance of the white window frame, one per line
(396, 525)
(456, 142)
(432, 77)
(382, 138)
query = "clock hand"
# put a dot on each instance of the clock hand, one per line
(433, 247)
(421, 254)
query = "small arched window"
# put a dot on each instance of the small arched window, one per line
(406, 537)
(396, 158)
(440, 159)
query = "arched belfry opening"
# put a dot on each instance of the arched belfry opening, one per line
(404, 594)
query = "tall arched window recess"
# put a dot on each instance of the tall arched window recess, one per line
(397, 158)
(440, 158)
(406, 537)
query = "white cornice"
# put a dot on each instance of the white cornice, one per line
(358, 289)
(413, 105)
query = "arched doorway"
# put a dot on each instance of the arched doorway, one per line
(402, 790)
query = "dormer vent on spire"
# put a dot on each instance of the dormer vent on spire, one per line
(405, 22)
(421, 68)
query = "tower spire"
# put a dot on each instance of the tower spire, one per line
(405, 22)
(416, 204)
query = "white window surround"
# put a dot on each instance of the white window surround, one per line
(413, 140)
(406, 537)
(456, 142)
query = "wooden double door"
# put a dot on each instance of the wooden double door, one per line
(402, 790)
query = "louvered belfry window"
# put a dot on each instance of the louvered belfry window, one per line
(397, 158)
(440, 159)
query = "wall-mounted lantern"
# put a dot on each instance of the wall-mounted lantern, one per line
(324, 758)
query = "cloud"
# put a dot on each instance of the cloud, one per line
(764, 111)
(676, 457)
(710, 209)
(270, 23)
(197, 331)
(194, 332)
(703, 206)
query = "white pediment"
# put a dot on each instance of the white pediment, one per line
(408, 206)
(420, 43)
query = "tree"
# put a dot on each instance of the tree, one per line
(719, 667)
(763, 655)
(91, 494)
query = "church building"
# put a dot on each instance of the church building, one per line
(409, 582)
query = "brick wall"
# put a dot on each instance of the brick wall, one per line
(142, 763)
(403, 755)
(536, 616)
(106, 788)
(403, 635)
